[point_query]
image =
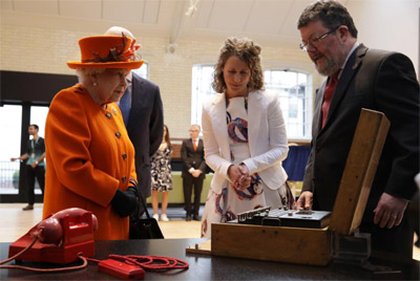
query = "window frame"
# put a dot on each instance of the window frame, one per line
(307, 104)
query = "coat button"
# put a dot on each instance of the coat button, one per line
(123, 179)
(124, 156)
(118, 134)
(108, 115)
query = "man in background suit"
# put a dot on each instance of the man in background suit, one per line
(35, 164)
(367, 78)
(142, 110)
(193, 172)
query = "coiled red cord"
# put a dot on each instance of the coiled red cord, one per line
(37, 269)
(150, 263)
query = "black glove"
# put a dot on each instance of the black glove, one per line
(125, 202)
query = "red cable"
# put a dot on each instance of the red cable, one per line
(59, 269)
(21, 252)
(152, 263)
(37, 269)
(149, 263)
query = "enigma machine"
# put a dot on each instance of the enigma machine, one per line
(284, 235)
(285, 217)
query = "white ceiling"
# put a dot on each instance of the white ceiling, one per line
(268, 20)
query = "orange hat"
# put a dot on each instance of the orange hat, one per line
(105, 51)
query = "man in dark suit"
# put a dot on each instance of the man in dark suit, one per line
(367, 78)
(193, 171)
(142, 110)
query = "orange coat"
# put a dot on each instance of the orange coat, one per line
(89, 155)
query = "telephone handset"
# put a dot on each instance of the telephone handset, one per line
(60, 238)
(50, 230)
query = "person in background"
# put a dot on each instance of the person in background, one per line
(244, 138)
(162, 175)
(89, 154)
(193, 171)
(142, 109)
(35, 164)
(359, 77)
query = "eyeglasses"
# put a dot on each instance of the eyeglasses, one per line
(315, 41)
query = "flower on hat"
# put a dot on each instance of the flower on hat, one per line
(108, 52)
(117, 53)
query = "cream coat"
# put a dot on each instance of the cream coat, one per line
(267, 139)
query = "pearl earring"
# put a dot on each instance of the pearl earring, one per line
(95, 84)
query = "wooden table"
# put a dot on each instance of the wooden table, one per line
(206, 267)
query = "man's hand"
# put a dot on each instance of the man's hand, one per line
(196, 173)
(390, 211)
(305, 201)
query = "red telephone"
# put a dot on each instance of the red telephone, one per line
(61, 238)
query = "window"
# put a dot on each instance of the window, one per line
(202, 77)
(293, 89)
(39, 117)
(10, 122)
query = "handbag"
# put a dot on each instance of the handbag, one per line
(147, 228)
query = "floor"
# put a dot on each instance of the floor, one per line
(15, 222)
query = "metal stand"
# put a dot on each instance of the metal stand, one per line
(351, 249)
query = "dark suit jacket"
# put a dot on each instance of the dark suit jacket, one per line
(191, 158)
(377, 80)
(145, 128)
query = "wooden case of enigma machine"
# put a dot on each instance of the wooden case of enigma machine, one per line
(312, 245)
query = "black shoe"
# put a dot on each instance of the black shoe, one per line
(196, 218)
(188, 218)
(28, 207)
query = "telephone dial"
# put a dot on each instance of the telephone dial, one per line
(61, 238)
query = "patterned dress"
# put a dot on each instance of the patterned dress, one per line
(161, 170)
(225, 206)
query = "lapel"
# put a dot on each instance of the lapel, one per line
(136, 87)
(191, 144)
(218, 117)
(319, 97)
(348, 74)
(200, 144)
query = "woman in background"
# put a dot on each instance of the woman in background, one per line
(161, 175)
(244, 138)
(89, 154)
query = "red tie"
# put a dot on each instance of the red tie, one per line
(195, 145)
(328, 93)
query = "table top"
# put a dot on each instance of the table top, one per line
(204, 267)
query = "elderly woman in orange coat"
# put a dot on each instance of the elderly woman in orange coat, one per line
(90, 157)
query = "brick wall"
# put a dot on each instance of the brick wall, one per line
(46, 50)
